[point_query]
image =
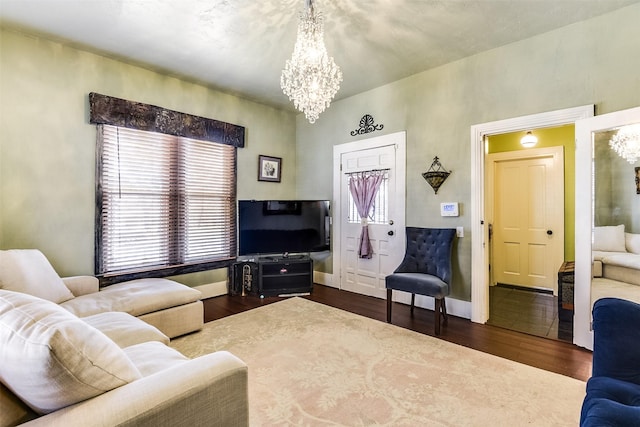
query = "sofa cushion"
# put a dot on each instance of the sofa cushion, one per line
(632, 242)
(609, 238)
(136, 297)
(124, 329)
(28, 271)
(610, 402)
(153, 356)
(51, 359)
(623, 260)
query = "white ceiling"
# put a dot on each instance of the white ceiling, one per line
(240, 46)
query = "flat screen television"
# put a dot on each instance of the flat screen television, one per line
(283, 226)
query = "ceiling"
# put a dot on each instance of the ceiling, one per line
(240, 46)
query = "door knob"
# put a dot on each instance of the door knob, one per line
(390, 233)
(390, 222)
(549, 232)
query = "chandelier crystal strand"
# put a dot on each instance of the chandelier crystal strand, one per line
(626, 142)
(310, 78)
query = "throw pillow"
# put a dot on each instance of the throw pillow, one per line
(28, 271)
(50, 358)
(609, 238)
(632, 243)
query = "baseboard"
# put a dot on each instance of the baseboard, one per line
(455, 307)
(211, 290)
(322, 278)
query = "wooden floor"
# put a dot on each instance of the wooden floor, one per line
(552, 355)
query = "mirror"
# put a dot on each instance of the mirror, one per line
(608, 219)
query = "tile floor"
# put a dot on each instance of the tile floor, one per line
(528, 311)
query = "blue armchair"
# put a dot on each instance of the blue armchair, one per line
(613, 391)
(425, 269)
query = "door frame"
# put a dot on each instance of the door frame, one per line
(479, 229)
(582, 332)
(557, 154)
(399, 139)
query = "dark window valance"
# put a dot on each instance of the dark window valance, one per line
(136, 115)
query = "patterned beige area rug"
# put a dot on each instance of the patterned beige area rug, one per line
(315, 365)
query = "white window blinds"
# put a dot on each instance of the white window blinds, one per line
(163, 202)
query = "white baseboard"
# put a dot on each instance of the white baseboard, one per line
(323, 278)
(455, 307)
(211, 290)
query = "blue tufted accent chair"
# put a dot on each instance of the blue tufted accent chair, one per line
(425, 269)
(613, 391)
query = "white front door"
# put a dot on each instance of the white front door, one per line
(528, 217)
(386, 227)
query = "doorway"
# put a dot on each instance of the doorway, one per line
(525, 212)
(480, 309)
(384, 154)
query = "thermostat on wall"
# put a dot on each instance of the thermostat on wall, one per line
(449, 209)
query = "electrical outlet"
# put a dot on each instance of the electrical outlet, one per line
(460, 231)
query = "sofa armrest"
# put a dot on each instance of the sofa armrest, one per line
(82, 285)
(616, 347)
(210, 390)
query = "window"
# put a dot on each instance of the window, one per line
(379, 212)
(165, 204)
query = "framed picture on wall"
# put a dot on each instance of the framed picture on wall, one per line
(269, 168)
(637, 180)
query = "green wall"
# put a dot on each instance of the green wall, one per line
(47, 146)
(551, 137)
(591, 62)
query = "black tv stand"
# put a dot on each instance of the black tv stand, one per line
(284, 257)
(279, 275)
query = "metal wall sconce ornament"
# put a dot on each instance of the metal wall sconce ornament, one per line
(366, 126)
(436, 174)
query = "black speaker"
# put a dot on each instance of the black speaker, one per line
(243, 278)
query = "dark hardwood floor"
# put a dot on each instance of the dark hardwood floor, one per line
(551, 355)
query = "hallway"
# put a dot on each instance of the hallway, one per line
(528, 311)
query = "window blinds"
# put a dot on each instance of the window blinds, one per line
(163, 201)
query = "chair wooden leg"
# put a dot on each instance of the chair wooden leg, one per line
(413, 300)
(444, 312)
(436, 310)
(389, 292)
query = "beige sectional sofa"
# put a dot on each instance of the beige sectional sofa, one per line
(173, 308)
(72, 354)
(107, 369)
(616, 263)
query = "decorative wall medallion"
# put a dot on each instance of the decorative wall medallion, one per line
(366, 126)
(436, 174)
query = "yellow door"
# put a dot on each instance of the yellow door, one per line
(528, 217)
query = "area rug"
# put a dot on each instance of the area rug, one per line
(315, 365)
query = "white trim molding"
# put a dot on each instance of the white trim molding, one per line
(211, 290)
(582, 332)
(479, 231)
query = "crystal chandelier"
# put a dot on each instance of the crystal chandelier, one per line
(310, 78)
(626, 142)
